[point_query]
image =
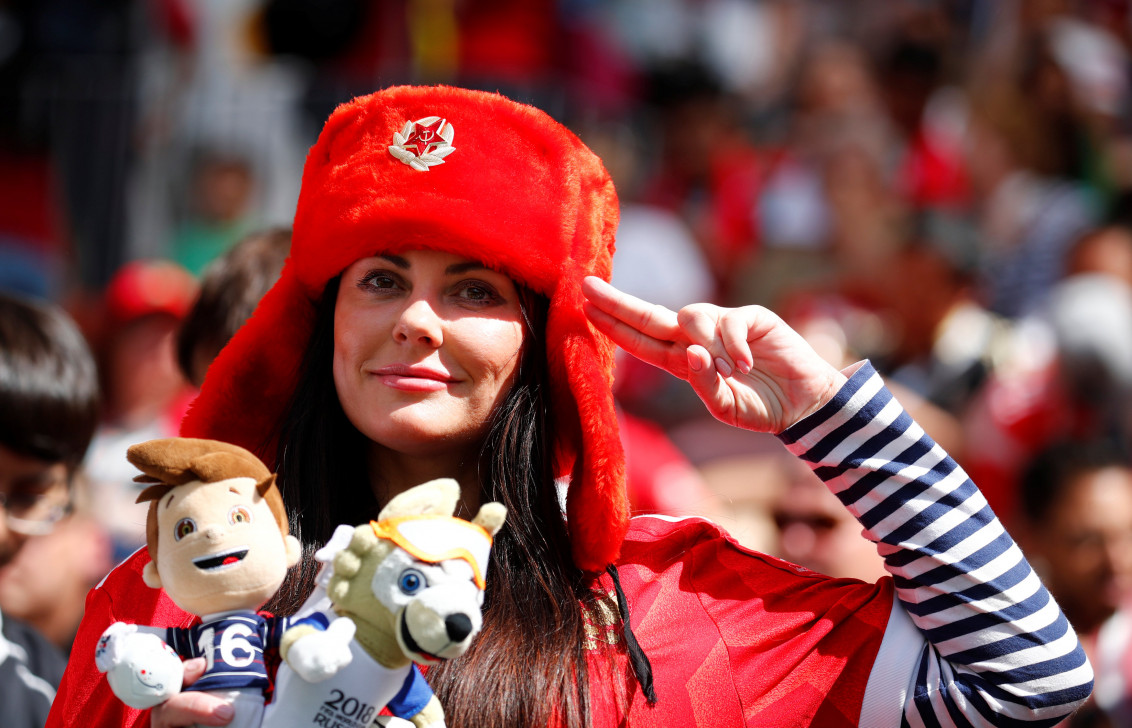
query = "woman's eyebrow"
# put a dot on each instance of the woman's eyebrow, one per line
(454, 269)
(458, 268)
(395, 260)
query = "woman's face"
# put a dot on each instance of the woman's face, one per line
(426, 344)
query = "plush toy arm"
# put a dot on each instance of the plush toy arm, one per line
(391, 721)
(317, 654)
(108, 653)
(416, 703)
(431, 716)
(142, 670)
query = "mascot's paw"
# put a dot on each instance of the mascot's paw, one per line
(142, 670)
(320, 655)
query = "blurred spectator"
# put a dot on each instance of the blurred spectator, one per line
(80, 553)
(1022, 165)
(743, 472)
(930, 173)
(48, 411)
(827, 208)
(221, 193)
(218, 137)
(816, 531)
(1075, 524)
(230, 289)
(145, 393)
(707, 170)
(1065, 372)
(943, 340)
(1107, 249)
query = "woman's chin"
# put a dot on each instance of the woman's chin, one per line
(423, 430)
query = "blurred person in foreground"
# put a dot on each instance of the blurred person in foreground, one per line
(1075, 522)
(48, 412)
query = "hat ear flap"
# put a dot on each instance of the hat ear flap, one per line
(588, 443)
(250, 383)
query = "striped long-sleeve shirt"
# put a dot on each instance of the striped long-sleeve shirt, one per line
(962, 634)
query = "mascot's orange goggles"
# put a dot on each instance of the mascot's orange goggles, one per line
(434, 538)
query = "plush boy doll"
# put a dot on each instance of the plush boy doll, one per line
(220, 547)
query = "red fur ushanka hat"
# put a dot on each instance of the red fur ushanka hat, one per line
(465, 172)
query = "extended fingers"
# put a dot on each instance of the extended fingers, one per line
(642, 329)
(649, 319)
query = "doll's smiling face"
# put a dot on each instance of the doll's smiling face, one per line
(219, 547)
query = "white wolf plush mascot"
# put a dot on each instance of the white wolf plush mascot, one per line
(412, 582)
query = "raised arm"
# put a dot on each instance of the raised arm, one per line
(975, 639)
(985, 643)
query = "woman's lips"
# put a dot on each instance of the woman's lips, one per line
(414, 378)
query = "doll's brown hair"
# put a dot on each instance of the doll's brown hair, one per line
(170, 462)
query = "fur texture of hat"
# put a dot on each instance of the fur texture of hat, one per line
(483, 177)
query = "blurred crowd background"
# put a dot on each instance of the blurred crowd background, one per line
(942, 187)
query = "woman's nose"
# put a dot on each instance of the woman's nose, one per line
(419, 323)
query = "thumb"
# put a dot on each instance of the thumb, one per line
(194, 668)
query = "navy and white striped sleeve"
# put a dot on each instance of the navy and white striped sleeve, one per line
(975, 639)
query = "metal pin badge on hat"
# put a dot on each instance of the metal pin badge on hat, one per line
(423, 143)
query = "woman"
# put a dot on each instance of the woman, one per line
(440, 314)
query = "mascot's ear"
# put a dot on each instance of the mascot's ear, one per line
(150, 576)
(436, 497)
(490, 517)
(294, 550)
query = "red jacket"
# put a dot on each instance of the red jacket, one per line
(732, 635)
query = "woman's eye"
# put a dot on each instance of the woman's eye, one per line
(239, 514)
(477, 292)
(184, 527)
(380, 280)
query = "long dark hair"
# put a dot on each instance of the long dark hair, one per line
(528, 665)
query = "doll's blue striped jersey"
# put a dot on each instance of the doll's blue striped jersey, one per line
(233, 648)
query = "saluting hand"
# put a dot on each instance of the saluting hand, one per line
(748, 366)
